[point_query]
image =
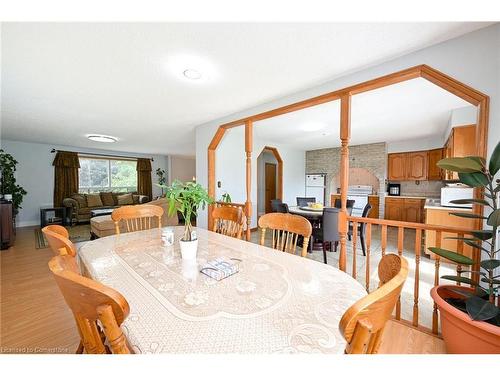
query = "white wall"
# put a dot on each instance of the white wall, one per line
(182, 168)
(35, 174)
(230, 164)
(419, 144)
(473, 59)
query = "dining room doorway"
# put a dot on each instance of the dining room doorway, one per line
(270, 185)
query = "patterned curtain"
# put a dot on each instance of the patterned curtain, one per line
(66, 166)
(144, 183)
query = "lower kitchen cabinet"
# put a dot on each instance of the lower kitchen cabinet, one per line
(405, 209)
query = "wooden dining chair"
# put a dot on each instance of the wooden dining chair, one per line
(362, 325)
(58, 238)
(286, 229)
(92, 302)
(138, 217)
(228, 221)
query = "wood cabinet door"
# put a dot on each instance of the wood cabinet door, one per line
(416, 166)
(413, 210)
(448, 154)
(396, 165)
(433, 171)
(374, 202)
(394, 209)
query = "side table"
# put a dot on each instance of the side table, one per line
(61, 212)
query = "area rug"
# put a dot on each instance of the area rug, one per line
(78, 233)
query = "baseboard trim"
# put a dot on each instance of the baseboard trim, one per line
(20, 224)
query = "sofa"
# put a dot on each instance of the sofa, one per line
(81, 204)
(102, 226)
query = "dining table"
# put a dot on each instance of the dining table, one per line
(277, 302)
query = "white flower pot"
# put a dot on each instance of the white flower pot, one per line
(189, 249)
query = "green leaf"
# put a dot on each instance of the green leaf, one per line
(479, 309)
(476, 179)
(460, 279)
(462, 165)
(475, 245)
(490, 264)
(482, 234)
(467, 201)
(467, 215)
(495, 160)
(488, 280)
(494, 218)
(451, 255)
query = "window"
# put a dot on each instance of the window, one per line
(98, 174)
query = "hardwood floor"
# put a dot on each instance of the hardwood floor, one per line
(35, 319)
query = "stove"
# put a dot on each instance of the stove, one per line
(359, 193)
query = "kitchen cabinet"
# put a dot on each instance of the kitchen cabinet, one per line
(405, 209)
(441, 216)
(461, 142)
(397, 167)
(433, 171)
(407, 166)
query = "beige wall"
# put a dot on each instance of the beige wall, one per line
(182, 168)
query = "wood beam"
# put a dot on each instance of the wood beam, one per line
(345, 135)
(248, 150)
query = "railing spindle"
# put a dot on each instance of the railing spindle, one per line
(460, 250)
(383, 239)
(401, 233)
(418, 249)
(354, 247)
(436, 283)
(368, 244)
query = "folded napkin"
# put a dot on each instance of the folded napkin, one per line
(220, 268)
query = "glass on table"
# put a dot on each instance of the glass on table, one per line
(167, 236)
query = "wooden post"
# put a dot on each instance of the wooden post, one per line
(248, 150)
(345, 135)
(212, 147)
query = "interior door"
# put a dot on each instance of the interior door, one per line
(270, 184)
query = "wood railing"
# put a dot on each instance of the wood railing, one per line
(416, 258)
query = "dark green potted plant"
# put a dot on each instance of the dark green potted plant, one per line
(187, 198)
(226, 198)
(8, 181)
(470, 319)
(162, 179)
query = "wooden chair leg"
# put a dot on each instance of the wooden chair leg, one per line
(349, 237)
(363, 244)
(79, 350)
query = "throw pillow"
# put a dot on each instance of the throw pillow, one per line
(107, 199)
(82, 201)
(135, 197)
(94, 200)
(125, 199)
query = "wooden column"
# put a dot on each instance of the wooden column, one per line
(345, 135)
(248, 150)
(212, 147)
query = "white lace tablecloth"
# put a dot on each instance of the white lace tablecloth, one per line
(277, 302)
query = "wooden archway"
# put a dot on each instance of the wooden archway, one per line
(279, 159)
(469, 94)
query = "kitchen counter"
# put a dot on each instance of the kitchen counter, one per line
(405, 196)
(435, 204)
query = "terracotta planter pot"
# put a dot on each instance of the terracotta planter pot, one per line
(461, 334)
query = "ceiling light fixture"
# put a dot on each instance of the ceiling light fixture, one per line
(101, 138)
(191, 74)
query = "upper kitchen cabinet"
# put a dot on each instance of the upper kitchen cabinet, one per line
(407, 166)
(433, 171)
(397, 166)
(461, 142)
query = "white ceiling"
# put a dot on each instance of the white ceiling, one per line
(61, 81)
(409, 110)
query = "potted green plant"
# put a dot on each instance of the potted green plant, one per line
(187, 198)
(8, 181)
(226, 198)
(470, 320)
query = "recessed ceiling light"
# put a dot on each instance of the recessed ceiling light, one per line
(101, 138)
(313, 126)
(191, 74)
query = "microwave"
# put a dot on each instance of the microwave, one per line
(450, 193)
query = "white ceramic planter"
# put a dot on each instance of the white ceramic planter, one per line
(189, 249)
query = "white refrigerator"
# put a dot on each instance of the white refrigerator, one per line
(316, 187)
